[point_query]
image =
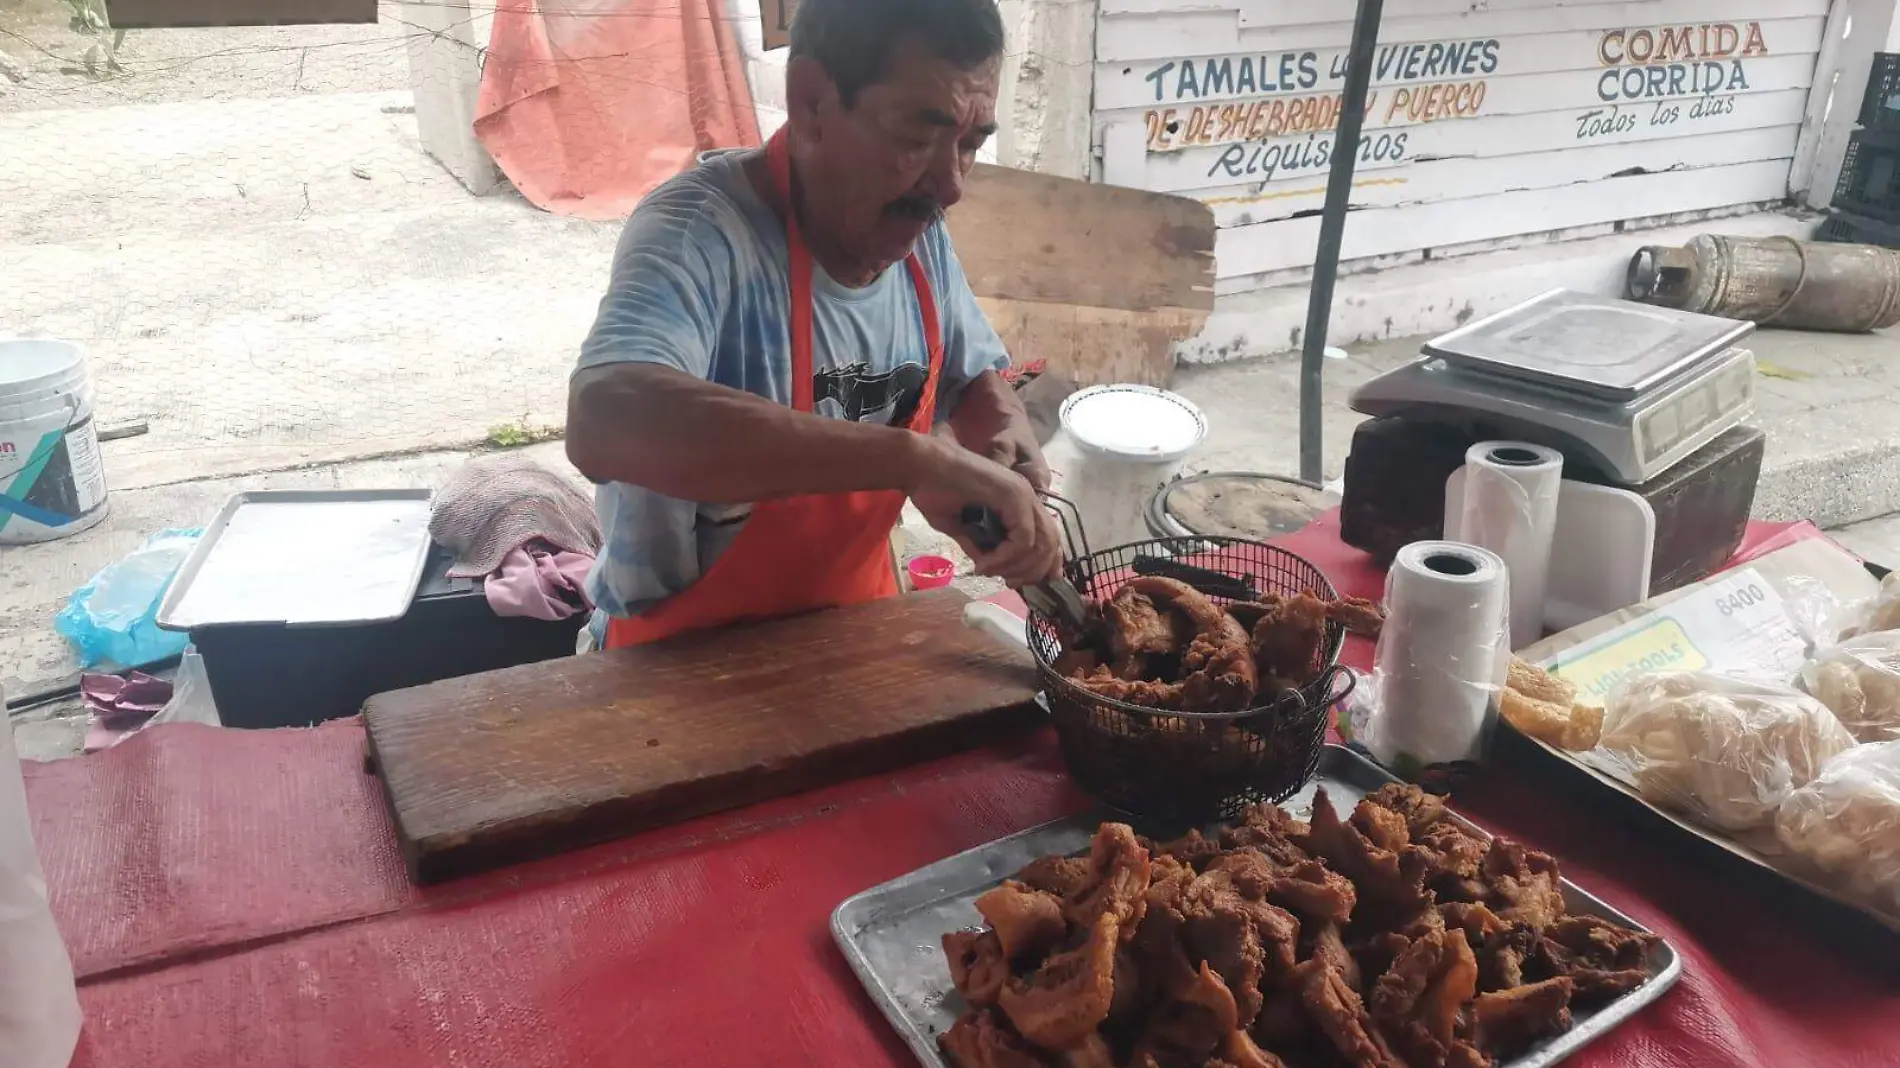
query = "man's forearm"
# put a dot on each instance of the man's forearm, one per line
(990, 420)
(686, 438)
(988, 403)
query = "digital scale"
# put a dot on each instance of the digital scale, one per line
(1634, 387)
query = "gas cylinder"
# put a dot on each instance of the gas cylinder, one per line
(1773, 281)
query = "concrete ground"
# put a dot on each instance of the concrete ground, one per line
(43, 61)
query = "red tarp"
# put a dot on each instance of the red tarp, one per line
(587, 110)
(235, 897)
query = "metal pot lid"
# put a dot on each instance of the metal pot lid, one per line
(1134, 423)
(1237, 504)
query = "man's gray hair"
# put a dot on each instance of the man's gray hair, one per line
(853, 39)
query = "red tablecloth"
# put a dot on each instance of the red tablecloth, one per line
(234, 898)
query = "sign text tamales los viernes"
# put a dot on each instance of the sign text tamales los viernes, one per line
(776, 16)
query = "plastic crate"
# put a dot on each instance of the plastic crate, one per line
(1880, 104)
(275, 676)
(1869, 185)
(1844, 228)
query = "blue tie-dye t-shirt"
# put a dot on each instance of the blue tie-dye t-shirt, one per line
(700, 285)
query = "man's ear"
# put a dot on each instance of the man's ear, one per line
(809, 94)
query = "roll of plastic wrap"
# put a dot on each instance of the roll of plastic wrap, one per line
(1511, 509)
(39, 1005)
(1442, 656)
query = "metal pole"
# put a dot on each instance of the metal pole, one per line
(1332, 229)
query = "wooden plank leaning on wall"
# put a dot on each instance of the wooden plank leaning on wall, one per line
(1099, 281)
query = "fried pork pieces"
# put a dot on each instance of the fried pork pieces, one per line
(1389, 939)
(1162, 644)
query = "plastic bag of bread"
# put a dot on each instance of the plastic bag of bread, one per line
(1726, 752)
(1847, 821)
(1859, 681)
(1882, 613)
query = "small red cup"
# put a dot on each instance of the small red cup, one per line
(930, 572)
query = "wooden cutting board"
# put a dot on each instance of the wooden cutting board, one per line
(491, 769)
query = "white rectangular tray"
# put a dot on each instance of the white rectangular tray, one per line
(303, 558)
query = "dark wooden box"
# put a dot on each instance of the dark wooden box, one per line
(1395, 493)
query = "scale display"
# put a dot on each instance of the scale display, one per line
(1637, 388)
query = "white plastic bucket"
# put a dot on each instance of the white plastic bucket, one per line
(1118, 445)
(52, 482)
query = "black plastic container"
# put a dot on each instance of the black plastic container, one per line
(277, 676)
(1869, 185)
(1880, 104)
(1846, 228)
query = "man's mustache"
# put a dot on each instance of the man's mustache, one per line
(916, 207)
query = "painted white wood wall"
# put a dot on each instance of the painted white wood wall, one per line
(1487, 118)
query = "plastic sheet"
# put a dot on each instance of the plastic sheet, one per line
(1825, 618)
(1441, 659)
(39, 1005)
(1817, 613)
(1878, 615)
(1724, 751)
(1847, 821)
(113, 617)
(1859, 681)
(192, 700)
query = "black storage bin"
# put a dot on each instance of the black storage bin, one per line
(276, 676)
(1869, 185)
(1880, 104)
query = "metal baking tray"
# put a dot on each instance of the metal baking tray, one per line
(1613, 350)
(303, 558)
(892, 934)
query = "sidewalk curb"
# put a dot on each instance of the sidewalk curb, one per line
(1847, 487)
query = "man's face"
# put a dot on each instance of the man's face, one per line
(881, 171)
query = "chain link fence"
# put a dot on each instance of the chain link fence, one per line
(241, 227)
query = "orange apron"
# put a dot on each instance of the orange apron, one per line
(798, 553)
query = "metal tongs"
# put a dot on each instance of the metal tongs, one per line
(1057, 599)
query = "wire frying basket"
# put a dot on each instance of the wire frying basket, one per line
(1191, 767)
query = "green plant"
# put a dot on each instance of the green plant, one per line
(90, 20)
(514, 435)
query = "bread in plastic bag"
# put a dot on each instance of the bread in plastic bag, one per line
(1882, 613)
(1726, 752)
(1859, 681)
(1847, 821)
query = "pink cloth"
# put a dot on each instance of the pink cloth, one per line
(540, 582)
(120, 705)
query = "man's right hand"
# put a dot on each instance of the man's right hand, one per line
(946, 478)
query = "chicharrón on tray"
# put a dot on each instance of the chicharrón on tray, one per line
(1392, 939)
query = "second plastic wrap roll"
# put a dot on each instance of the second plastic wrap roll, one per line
(1510, 508)
(1442, 655)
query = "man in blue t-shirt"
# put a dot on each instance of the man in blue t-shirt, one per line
(788, 347)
